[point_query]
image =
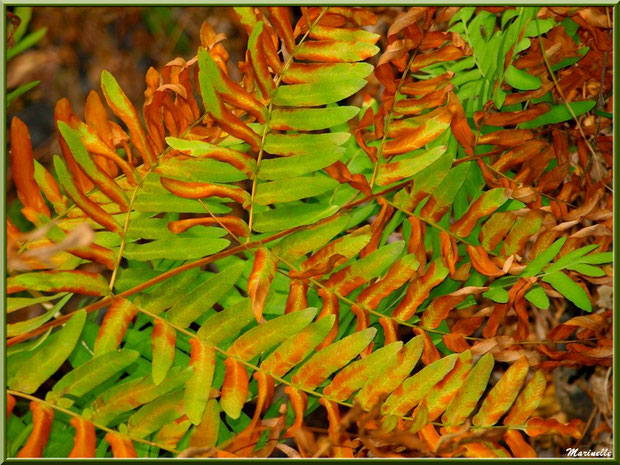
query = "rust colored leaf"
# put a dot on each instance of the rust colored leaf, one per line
(446, 53)
(259, 282)
(235, 388)
(486, 204)
(42, 417)
(460, 127)
(506, 137)
(201, 190)
(438, 310)
(399, 273)
(482, 263)
(341, 173)
(85, 441)
(122, 446)
(449, 252)
(417, 292)
(22, 167)
(510, 118)
(299, 401)
(503, 394)
(92, 209)
(163, 343)
(231, 223)
(10, 404)
(518, 446)
(282, 24)
(124, 109)
(297, 296)
(537, 426)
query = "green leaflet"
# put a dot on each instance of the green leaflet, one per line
(389, 173)
(297, 347)
(44, 362)
(346, 34)
(355, 375)
(198, 387)
(497, 294)
(559, 113)
(348, 246)
(91, 374)
(467, 397)
(206, 433)
(171, 433)
(414, 388)
(166, 295)
(197, 148)
(157, 228)
(287, 190)
(539, 27)
(521, 231)
(263, 337)
(538, 297)
(207, 91)
(163, 342)
(502, 395)
(300, 243)
(264, 78)
(11, 96)
(570, 258)
(174, 248)
(21, 327)
(298, 144)
(192, 305)
(316, 93)
(309, 73)
(298, 165)
(522, 80)
(17, 303)
(290, 216)
(536, 265)
(367, 268)
(155, 414)
(227, 323)
(127, 396)
(55, 281)
(437, 399)
(310, 119)
(332, 358)
(115, 324)
(569, 289)
(379, 386)
(335, 50)
(586, 270)
(199, 170)
(431, 176)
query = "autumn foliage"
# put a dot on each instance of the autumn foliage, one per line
(385, 232)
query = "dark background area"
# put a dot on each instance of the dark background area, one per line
(80, 42)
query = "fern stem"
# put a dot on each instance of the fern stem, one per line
(121, 248)
(388, 120)
(96, 425)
